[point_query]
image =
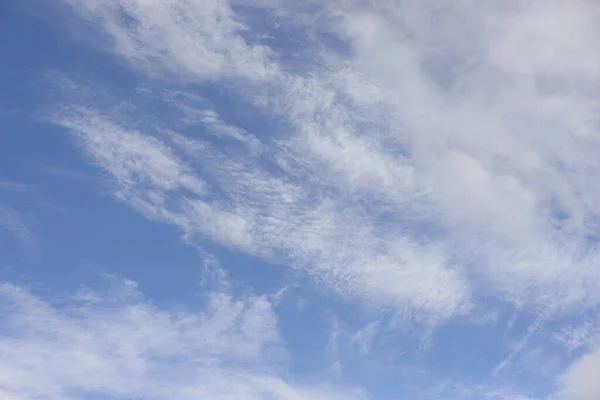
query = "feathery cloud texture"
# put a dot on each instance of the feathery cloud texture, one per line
(433, 164)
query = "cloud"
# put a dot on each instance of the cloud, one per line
(180, 39)
(131, 157)
(117, 343)
(256, 208)
(432, 160)
(421, 163)
(17, 225)
(575, 337)
(580, 381)
(14, 186)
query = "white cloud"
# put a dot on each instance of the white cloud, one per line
(575, 337)
(268, 216)
(580, 381)
(181, 38)
(428, 160)
(552, 36)
(131, 157)
(117, 344)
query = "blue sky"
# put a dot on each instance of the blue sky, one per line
(275, 199)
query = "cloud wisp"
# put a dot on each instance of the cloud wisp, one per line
(116, 343)
(423, 157)
(420, 161)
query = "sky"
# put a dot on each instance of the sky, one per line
(300, 199)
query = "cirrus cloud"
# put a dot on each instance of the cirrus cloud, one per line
(116, 343)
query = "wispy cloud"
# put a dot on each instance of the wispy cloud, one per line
(16, 225)
(116, 343)
(255, 209)
(14, 186)
(158, 37)
(578, 336)
(421, 157)
(411, 130)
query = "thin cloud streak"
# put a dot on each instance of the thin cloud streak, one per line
(14, 186)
